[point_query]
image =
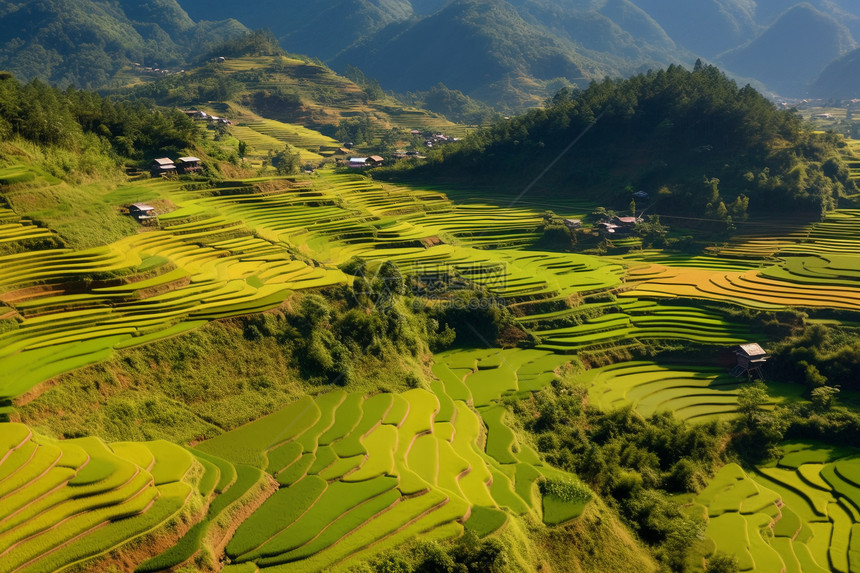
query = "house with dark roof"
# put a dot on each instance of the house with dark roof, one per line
(142, 212)
(751, 358)
(188, 164)
(162, 166)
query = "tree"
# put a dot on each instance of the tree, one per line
(355, 129)
(285, 161)
(722, 563)
(823, 397)
(751, 400)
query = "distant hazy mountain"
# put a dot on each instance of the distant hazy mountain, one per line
(609, 29)
(414, 44)
(840, 79)
(508, 52)
(481, 47)
(505, 51)
(321, 29)
(707, 27)
(791, 53)
(84, 42)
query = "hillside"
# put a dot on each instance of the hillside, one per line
(840, 79)
(322, 31)
(682, 136)
(273, 98)
(318, 371)
(488, 36)
(793, 51)
(86, 42)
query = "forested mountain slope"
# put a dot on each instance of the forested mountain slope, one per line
(694, 140)
(85, 42)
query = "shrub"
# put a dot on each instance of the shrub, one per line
(566, 490)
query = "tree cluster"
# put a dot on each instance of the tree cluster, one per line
(468, 554)
(631, 461)
(453, 104)
(78, 120)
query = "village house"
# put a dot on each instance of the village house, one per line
(362, 162)
(606, 227)
(142, 212)
(196, 114)
(573, 224)
(750, 360)
(188, 165)
(162, 166)
(626, 222)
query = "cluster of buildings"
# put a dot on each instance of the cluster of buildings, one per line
(434, 139)
(203, 116)
(618, 225)
(430, 140)
(140, 69)
(164, 166)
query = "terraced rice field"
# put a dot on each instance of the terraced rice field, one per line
(265, 135)
(361, 474)
(245, 246)
(67, 502)
(630, 319)
(173, 279)
(15, 231)
(800, 515)
(696, 394)
(327, 97)
(753, 289)
(233, 250)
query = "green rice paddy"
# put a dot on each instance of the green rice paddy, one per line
(800, 515)
(408, 467)
(358, 474)
(103, 495)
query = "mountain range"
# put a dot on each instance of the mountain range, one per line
(510, 53)
(85, 42)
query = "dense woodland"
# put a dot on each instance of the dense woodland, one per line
(99, 128)
(692, 139)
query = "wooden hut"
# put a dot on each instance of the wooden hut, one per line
(142, 212)
(188, 165)
(750, 360)
(162, 166)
